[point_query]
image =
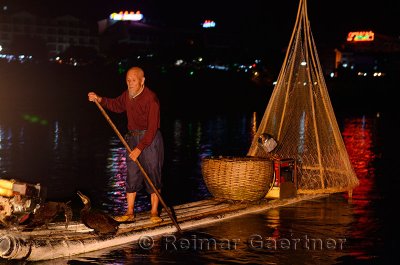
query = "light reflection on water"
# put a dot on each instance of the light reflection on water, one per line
(72, 156)
(359, 136)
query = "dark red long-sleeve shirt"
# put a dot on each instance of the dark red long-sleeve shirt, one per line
(143, 113)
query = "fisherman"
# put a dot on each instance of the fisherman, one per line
(142, 108)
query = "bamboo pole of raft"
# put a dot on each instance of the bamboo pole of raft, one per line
(138, 164)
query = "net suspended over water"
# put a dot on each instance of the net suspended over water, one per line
(299, 115)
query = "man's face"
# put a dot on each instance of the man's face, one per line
(134, 81)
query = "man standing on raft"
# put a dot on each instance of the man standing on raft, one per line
(142, 108)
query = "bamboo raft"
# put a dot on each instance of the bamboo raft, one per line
(57, 241)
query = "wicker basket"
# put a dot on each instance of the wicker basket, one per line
(238, 178)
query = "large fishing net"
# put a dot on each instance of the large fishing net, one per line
(299, 115)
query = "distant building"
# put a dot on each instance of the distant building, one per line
(134, 37)
(25, 33)
(123, 37)
(366, 53)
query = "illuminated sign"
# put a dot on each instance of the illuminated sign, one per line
(208, 24)
(125, 15)
(360, 36)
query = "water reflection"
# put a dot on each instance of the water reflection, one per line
(358, 135)
(116, 169)
(305, 233)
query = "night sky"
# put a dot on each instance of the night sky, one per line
(273, 20)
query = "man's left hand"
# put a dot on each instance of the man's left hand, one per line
(135, 154)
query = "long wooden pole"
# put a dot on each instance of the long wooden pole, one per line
(139, 165)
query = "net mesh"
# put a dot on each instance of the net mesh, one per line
(299, 115)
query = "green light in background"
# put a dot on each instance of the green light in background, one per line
(34, 119)
(121, 68)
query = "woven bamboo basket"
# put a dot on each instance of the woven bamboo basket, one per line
(238, 178)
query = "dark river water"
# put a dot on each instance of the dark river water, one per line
(50, 134)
